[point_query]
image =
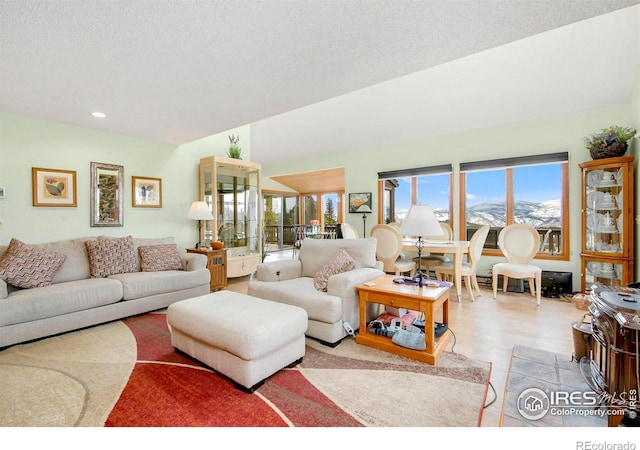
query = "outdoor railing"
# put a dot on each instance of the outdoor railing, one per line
(550, 237)
(287, 236)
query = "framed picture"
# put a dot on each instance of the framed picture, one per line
(53, 187)
(358, 200)
(107, 195)
(146, 192)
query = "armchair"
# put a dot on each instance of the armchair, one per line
(291, 282)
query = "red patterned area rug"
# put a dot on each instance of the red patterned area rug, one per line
(127, 374)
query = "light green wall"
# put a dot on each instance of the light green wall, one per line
(548, 135)
(27, 143)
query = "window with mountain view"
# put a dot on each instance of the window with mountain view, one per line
(425, 186)
(530, 190)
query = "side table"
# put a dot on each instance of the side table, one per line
(217, 265)
(427, 300)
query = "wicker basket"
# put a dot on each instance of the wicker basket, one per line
(610, 151)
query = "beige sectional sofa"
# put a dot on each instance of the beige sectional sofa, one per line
(79, 297)
(292, 282)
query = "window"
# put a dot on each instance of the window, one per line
(281, 213)
(310, 208)
(285, 212)
(426, 186)
(531, 190)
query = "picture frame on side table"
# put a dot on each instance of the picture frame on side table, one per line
(107, 195)
(146, 192)
(53, 187)
(359, 199)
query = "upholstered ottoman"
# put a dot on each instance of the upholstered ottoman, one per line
(244, 338)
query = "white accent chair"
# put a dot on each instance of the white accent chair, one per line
(519, 243)
(291, 281)
(388, 249)
(349, 231)
(445, 271)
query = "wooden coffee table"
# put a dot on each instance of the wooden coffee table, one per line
(427, 300)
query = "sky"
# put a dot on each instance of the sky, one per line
(531, 183)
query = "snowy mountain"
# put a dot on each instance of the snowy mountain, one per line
(538, 215)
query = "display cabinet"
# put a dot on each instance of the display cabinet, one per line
(607, 254)
(231, 187)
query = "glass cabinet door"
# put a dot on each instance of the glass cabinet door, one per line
(604, 209)
(604, 272)
(231, 187)
(237, 209)
(608, 221)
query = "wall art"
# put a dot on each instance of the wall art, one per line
(146, 192)
(53, 187)
(358, 200)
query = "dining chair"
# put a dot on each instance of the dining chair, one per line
(519, 243)
(427, 262)
(469, 268)
(299, 235)
(349, 231)
(388, 248)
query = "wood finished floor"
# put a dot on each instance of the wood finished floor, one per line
(488, 328)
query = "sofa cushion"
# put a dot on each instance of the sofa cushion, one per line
(26, 266)
(156, 258)
(341, 262)
(76, 266)
(144, 284)
(315, 253)
(110, 256)
(300, 292)
(141, 242)
(27, 305)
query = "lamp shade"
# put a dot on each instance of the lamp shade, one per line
(199, 211)
(364, 209)
(421, 221)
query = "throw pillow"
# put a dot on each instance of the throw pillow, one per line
(111, 256)
(339, 263)
(156, 258)
(25, 266)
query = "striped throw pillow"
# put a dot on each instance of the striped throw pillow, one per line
(26, 266)
(110, 256)
(156, 258)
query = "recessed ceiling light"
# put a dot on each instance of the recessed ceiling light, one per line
(98, 114)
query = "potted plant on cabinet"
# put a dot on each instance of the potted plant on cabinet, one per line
(234, 148)
(609, 142)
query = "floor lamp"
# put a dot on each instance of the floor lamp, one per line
(364, 209)
(199, 211)
(420, 221)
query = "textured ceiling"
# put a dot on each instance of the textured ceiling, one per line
(176, 71)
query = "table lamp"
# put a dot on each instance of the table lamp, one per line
(364, 209)
(420, 221)
(199, 211)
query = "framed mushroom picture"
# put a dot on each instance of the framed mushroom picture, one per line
(53, 187)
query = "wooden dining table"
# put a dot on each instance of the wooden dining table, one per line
(456, 248)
